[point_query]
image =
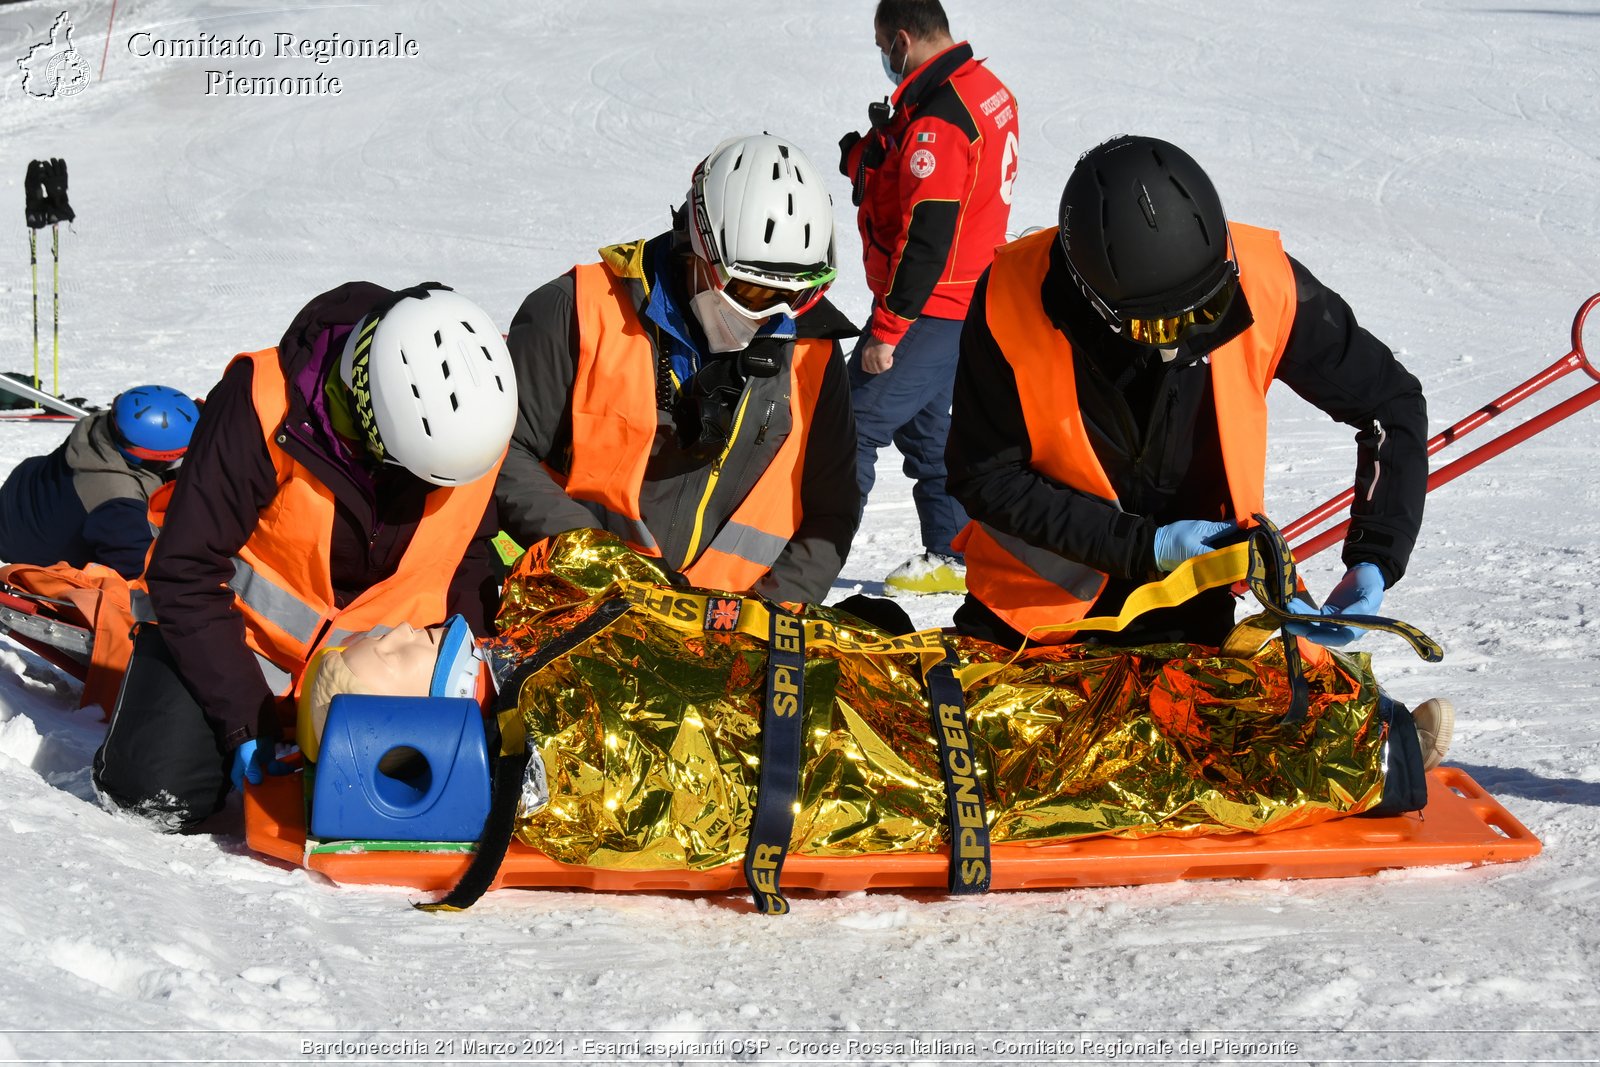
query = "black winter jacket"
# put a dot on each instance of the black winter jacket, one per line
(1153, 428)
(227, 479)
(544, 349)
(82, 503)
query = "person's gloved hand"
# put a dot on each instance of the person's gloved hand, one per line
(248, 763)
(1359, 592)
(1186, 539)
(846, 143)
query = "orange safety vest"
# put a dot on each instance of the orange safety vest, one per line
(1029, 586)
(614, 421)
(282, 576)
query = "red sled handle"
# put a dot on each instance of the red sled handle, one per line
(1577, 359)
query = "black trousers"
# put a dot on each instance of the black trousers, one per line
(161, 759)
(1405, 786)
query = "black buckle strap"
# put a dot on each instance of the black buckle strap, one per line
(500, 825)
(1268, 543)
(778, 786)
(1274, 581)
(965, 815)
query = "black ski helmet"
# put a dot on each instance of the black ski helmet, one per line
(1143, 229)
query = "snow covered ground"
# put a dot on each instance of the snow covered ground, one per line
(1434, 160)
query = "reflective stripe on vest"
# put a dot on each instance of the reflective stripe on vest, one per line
(278, 680)
(633, 531)
(139, 604)
(614, 424)
(274, 603)
(748, 543)
(1078, 580)
(1029, 586)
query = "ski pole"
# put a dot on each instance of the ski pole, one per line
(1577, 359)
(33, 265)
(55, 306)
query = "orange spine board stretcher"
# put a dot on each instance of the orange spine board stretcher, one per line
(1462, 824)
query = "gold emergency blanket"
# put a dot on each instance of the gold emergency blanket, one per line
(648, 730)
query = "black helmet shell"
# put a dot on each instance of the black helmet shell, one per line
(1143, 228)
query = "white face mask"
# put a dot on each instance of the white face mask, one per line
(895, 76)
(726, 330)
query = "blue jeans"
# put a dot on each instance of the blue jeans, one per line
(909, 404)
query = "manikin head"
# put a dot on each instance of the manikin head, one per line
(440, 661)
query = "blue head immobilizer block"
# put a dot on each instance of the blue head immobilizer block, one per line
(401, 769)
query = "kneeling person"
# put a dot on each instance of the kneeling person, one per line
(85, 502)
(1110, 415)
(688, 392)
(339, 482)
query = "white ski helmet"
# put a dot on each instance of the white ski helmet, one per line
(761, 217)
(433, 385)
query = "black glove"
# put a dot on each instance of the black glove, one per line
(45, 194)
(879, 113)
(846, 143)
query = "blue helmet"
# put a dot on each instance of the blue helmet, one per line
(153, 423)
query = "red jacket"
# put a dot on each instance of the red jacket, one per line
(933, 190)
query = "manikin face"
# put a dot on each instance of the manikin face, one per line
(399, 662)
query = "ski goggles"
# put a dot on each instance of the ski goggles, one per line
(759, 295)
(757, 292)
(1164, 331)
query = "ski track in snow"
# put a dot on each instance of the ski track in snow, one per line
(1433, 160)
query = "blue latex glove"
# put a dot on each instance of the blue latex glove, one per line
(248, 763)
(1359, 592)
(1178, 541)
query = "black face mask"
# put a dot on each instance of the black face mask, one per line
(709, 402)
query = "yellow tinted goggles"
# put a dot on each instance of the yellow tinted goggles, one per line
(1169, 330)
